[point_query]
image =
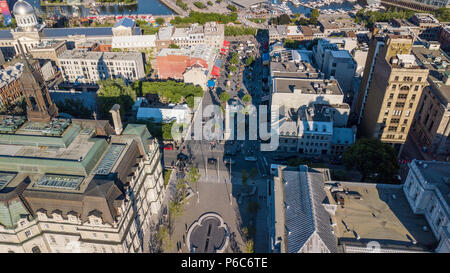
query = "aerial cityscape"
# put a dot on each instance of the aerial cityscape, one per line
(224, 126)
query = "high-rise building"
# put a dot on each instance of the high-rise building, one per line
(431, 126)
(391, 89)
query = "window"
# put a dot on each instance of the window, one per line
(402, 96)
(395, 120)
(394, 86)
(396, 78)
(391, 96)
(416, 88)
(404, 88)
(36, 249)
(419, 79)
(28, 233)
(400, 104)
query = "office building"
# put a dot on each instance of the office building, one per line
(89, 66)
(390, 90)
(431, 125)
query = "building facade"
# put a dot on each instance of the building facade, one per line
(90, 195)
(393, 92)
(431, 126)
(90, 67)
(427, 191)
(10, 88)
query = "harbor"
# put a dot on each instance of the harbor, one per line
(143, 7)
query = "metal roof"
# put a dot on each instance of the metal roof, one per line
(125, 22)
(107, 163)
(305, 214)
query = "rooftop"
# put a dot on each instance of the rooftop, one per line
(48, 45)
(436, 61)
(307, 86)
(299, 209)
(247, 3)
(95, 55)
(437, 174)
(10, 74)
(376, 212)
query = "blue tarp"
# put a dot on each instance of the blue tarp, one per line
(265, 57)
(211, 83)
(219, 63)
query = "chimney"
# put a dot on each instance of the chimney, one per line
(115, 112)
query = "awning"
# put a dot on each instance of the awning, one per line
(211, 83)
(226, 43)
(215, 71)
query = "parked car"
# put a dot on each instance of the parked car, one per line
(168, 147)
(212, 161)
(182, 156)
(228, 160)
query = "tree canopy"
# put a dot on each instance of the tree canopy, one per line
(115, 91)
(224, 97)
(169, 91)
(373, 159)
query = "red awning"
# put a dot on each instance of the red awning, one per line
(215, 71)
(226, 43)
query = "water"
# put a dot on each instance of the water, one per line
(304, 10)
(153, 7)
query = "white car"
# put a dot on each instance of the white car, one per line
(250, 158)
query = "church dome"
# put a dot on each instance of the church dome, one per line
(23, 8)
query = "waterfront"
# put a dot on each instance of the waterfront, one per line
(154, 7)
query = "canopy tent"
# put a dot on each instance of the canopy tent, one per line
(215, 71)
(211, 83)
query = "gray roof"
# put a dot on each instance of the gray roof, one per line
(5, 35)
(125, 22)
(87, 31)
(305, 214)
(247, 3)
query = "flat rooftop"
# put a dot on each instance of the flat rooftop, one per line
(436, 62)
(381, 213)
(435, 173)
(95, 55)
(307, 86)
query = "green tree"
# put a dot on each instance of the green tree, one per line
(253, 173)
(249, 61)
(244, 177)
(224, 97)
(249, 245)
(314, 16)
(253, 207)
(372, 158)
(234, 58)
(199, 5)
(160, 21)
(193, 175)
(232, 8)
(115, 91)
(247, 98)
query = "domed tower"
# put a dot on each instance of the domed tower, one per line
(25, 16)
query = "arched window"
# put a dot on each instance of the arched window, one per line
(36, 249)
(405, 87)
